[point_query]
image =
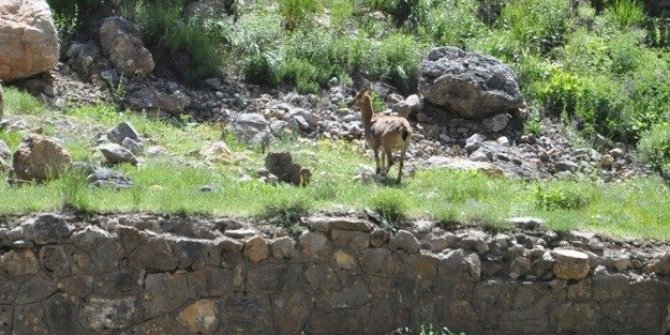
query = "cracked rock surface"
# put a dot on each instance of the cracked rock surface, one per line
(162, 274)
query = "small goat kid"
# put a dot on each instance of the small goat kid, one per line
(386, 132)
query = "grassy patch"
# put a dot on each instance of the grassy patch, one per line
(18, 102)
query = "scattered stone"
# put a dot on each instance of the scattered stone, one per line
(134, 146)
(122, 131)
(526, 222)
(116, 154)
(217, 153)
(474, 142)
(39, 158)
(28, 39)
(251, 128)
(281, 165)
(497, 122)
(174, 104)
(570, 264)
(606, 161)
(408, 107)
(105, 177)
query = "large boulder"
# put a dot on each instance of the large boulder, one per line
(38, 158)
(471, 85)
(124, 49)
(28, 39)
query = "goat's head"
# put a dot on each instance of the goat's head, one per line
(362, 97)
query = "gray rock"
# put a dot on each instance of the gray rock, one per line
(405, 240)
(379, 237)
(124, 49)
(39, 158)
(409, 106)
(474, 142)
(256, 249)
(18, 263)
(314, 245)
(5, 153)
(200, 317)
(283, 248)
(116, 154)
(121, 131)
(570, 264)
(526, 222)
(251, 129)
(519, 267)
(105, 177)
(469, 84)
(102, 314)
(496, 122)
(46, 229)
(175, 103)
(134, 146)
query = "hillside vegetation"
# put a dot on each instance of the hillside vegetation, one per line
(601, 66)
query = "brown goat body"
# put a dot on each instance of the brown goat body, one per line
(384, 134)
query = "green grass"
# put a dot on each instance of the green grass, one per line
(18, 102)
(638, 207)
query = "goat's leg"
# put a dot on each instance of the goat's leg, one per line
(389, 154)
(402, 161)
(382, 161)
(378, 168)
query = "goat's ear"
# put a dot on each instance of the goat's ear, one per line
(366, 88)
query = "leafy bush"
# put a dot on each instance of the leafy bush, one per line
(654, 147)
(260, 69)
(391, 204)
(74, 189)
(192, 48)
(407, 13)
(624, 13)
(298, 12)
(18, 102)
(539, 25)
(287, 210)
(561, 196)
(453, 23)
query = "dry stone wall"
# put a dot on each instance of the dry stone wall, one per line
(153, 274)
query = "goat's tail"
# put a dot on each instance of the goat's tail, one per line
(405, 134)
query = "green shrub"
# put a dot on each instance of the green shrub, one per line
(18, 102)
(74, 189)
(561, 92)
(297, 12)
(391, 204)
(625, 13)
(286, 209)
(408, 13)
(539, 25)
(658, 32)
(260, 69)
(625, 52)
(654, 147)
(453, 23)
(396, 60)
(560, 196)
(192, 48)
